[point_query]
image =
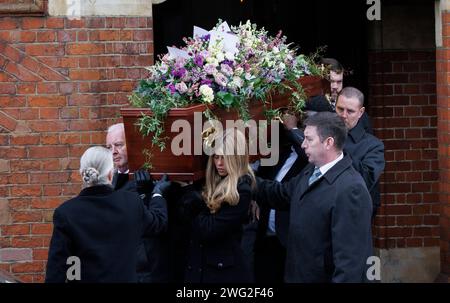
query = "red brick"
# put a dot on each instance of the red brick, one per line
(75, 23)
(85, 49)
(46, 36)
(47, 203)
(67, 88)
(32, 22)
(53, 22)
(409, 220)
(86, 74)
(7, 122)
(51, 165)
(47, 88)
(41, 229)
(48, 126)
(82, 35)
(69, 113)
(40, 254)
(398, 209)
(47, 152)
(44, 50)
(12, 152)
(24, 165)
(26, 88)
(29, 267)
(27, 242)
(15, 230)
(21, 72)
(39, 178)
(66, 36)
(26, 190)
(52, 190)
(104, 61)
(25, 139)
(26, 216)
(27, 36)
(49, 113)
(50, 139)
(7, 89)
(9, 23)
(143, 35)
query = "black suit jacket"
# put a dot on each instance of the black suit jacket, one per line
(215, 254)
(281, 216)
(102, 228)
(367, 153)
(330, 227)
(152, 254)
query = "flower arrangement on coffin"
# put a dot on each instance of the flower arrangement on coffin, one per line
(225, 67)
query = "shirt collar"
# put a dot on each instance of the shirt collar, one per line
(324, 168)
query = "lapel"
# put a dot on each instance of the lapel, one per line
(114, 179)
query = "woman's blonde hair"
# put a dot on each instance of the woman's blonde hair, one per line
(95, 166)
(232, 145)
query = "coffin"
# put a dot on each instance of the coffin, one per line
(189, 167)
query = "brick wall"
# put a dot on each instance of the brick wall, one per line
(443, 82)
(62, 83)
(402, 99)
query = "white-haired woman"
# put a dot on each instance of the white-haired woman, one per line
(101, 227)
(218, 214)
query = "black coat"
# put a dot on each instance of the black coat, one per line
(330, 224)
(281, 216)
(367, 153)
(152, 254)
(215, 254)
(102, 228)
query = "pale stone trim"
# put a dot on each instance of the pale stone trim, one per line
(83, 8)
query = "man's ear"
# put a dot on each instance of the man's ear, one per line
(330, 142)
(362, 110)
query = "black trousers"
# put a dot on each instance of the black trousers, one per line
(270, 259)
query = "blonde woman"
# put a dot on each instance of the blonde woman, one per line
(218, 213)
(101, 227)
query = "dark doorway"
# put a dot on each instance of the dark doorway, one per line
(339, 25)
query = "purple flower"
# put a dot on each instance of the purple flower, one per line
(210, 69)
(198, 60)
(179, 72)
(226, 69)
(206, 81)
(220, 79)
(228, 62)
(206, 37)
(172, 88)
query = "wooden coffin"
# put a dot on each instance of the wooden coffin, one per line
(188, 167)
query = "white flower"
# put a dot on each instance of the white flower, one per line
(181, 87)
(207, 93)
(220, 57)
(237, 82)
(229, 56)
(212, 61)
(275, 50)
(239, 71)
(164, 68)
